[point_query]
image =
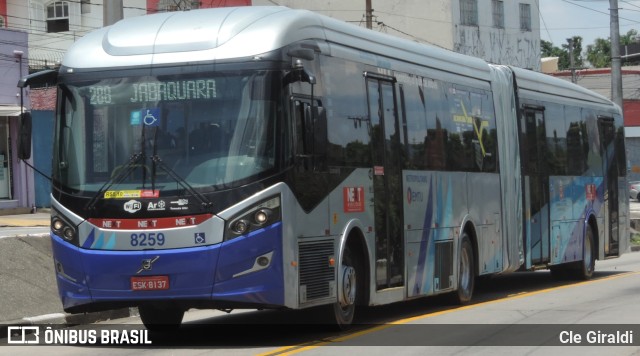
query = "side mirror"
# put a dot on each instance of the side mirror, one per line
(46, 77)
(24, 136)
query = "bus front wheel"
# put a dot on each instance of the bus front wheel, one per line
(344, 309)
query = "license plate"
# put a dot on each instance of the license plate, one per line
(150, 283)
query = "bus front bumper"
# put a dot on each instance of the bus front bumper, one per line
(247, 270)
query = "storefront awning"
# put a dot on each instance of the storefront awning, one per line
(9, 110)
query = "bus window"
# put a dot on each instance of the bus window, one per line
(416, 126)
(471, 141)
(436, 111)
(556, 139)
(345, 103)
(576, 142)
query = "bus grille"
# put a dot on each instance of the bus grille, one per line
(317, 275)
(443, 276)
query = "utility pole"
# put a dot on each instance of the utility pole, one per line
(369, 14)
(572, 61)
(616, 66)
(111, 12)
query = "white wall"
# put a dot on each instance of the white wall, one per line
(30, 16)
(418, 20)
(501, 46)
(437, 22)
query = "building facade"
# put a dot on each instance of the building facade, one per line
(16, 178)
(498, 31)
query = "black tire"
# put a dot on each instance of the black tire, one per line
(342, 312)
(161, 317)
(466, 272)
(584, 269)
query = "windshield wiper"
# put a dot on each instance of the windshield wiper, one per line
(156, 161)
(124, 171)
(205, 203)
(117, 179)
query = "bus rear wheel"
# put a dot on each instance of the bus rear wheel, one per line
(584, 269)
(161, 317)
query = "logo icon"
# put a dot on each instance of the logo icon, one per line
(132, 206)
(147, 264)
(160, 205)
(23, 334)
(151, 118)
(200, 238)
(180, 202)
(353, 199)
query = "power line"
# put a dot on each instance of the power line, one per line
(598, 11)
(543, 22)
(628, 3)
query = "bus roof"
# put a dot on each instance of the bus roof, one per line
(236, 32)
(546, 84)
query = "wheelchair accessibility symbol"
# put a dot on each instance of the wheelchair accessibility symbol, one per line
(152, 117)
(200, 238)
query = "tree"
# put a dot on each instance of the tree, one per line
(629, 38)
(578, 61)
(599, 53)
(549, 50)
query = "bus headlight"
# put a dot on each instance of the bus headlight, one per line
(256, 217)
(63, 228)
(240, 226)
(262, 216)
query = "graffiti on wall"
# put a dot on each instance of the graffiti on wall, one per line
(499, 47)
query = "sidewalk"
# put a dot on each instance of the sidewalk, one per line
(29, 293)
(42, 218)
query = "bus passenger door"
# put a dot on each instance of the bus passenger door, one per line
(536, 185)
(387, 182)
(610, 185)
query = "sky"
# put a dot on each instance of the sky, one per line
(562, 19)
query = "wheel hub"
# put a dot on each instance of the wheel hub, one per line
(348, 290)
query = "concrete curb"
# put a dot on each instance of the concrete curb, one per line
(71, 319)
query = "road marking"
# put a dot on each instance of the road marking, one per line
(294, 349)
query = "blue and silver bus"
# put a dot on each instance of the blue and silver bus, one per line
(264, 157)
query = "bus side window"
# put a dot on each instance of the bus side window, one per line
(310, 134)
(303, 131)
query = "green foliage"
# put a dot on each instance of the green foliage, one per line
(599, 53)
(549, 50)
(629, 37)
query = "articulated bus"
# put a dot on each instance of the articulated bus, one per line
(264, 157)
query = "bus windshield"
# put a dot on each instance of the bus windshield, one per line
(212, 130)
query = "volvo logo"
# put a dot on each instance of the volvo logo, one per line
(147, 264)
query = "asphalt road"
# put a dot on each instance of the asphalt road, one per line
(518, 313)
(29, 290)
